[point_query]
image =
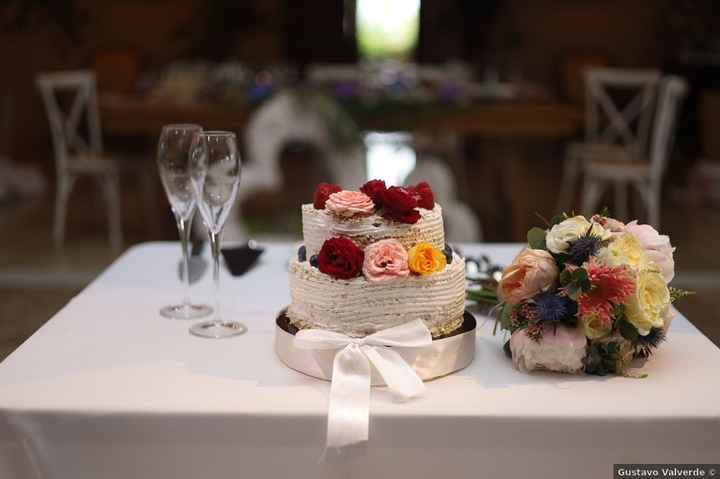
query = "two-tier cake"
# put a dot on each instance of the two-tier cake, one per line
(377, 298)
(373, 259)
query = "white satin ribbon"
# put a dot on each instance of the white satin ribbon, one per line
(349, 412)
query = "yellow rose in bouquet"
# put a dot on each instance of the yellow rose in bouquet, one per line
(645, 309)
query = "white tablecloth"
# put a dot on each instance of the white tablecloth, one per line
(109, 389)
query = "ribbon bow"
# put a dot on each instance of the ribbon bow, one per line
(349, 412)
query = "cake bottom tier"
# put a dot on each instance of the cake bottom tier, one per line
(446, 354)
(357, 307)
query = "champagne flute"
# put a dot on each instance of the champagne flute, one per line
(173, 160)
(215, 172)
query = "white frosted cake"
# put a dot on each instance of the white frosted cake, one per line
(374, 259)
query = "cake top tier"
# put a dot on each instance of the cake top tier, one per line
(408, 214)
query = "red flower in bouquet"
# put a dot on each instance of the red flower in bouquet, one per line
(375, 190)
(399, 205)
(608, 286)
(322, 193)
(423, 195)
(340, 258)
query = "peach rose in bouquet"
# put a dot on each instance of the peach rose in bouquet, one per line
(532, 271)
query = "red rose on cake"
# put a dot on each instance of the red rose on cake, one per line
(349, 203)
(340, 258)
(322, 193)
(423, 195)
(375, 190)
(399, 204)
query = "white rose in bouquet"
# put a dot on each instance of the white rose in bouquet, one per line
(560, 236)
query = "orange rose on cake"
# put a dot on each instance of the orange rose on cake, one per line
(425, 259)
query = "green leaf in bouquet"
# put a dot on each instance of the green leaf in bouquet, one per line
(482, 295)
(557, 219)
(565, 277)
(618, 311)
(627, 330)
(577, 284)
(506, 316)
(536, 238)
(580, 277)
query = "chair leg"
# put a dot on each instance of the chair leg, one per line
(592, 190)
(112, 196)
(62, 194)
(571, 170)
(621, 200)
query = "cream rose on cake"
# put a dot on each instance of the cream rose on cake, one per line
(350, 203)
(385, 260)
(561, 235)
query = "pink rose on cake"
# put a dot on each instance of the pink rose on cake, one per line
(350, 203)
(385, 260)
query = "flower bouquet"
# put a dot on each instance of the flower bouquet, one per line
(587, 295)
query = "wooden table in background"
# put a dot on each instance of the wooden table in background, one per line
(509, 125)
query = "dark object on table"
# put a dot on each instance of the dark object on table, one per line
(448, 252)
(240, 260)
(196, 263)
(302, 254)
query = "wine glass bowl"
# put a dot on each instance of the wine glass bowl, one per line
(173, 161)
(215, 172)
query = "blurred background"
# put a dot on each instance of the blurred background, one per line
(511, 110)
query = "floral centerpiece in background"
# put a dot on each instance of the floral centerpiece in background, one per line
(587, 295)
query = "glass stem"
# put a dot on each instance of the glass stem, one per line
(215, 248)
(184, 230)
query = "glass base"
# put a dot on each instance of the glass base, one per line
(218, 329)
(182, 311)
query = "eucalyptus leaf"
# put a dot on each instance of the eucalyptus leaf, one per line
(506, 316)
(557, 219)
(536, 238)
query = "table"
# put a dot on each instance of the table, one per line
(108, 388)
(124, 114)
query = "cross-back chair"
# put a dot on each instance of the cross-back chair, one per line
(77, 146)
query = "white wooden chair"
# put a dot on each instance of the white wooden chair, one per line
(78, 154)
(612, 133)
(642, 171)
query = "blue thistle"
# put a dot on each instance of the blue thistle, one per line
(583, 248)
(552, 308)
(650, 341)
